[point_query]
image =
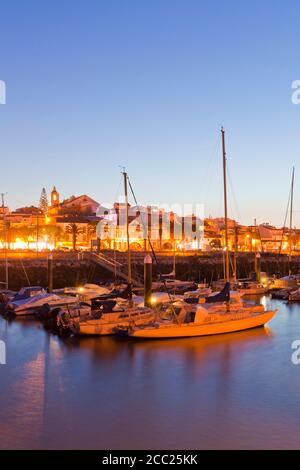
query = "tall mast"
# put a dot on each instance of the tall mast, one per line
(291, 220)
(5, 242)
(128, 239)
(235, 250)
(227, 276)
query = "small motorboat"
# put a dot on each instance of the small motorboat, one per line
(5, 296)
(286, 282)
(281, 294)
(87, 291)
(107, 318)
(253, 288)
(29, 299)
(294, 296)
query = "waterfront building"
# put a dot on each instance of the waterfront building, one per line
(84, 220)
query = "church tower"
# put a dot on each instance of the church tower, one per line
(54, 197)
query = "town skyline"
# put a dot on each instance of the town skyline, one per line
(168, 207)
(95, 98)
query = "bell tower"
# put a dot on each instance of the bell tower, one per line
(54, 197)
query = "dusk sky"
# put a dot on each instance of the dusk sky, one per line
(94, 85)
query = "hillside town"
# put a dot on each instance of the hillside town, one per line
(81, 223)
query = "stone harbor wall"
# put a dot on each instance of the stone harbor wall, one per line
(73, 269)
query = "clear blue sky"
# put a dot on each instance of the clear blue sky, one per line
(146, 84)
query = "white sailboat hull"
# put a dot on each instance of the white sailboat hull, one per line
(183, 330)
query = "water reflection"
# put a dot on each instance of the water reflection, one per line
(235, 390)
(193, 352)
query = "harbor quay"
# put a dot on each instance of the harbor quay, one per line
(81, 267)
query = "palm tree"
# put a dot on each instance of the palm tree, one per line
(91, 231)
(74, 230)
(54, 233)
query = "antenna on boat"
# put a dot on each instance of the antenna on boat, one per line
(227, 275)
(291, 219)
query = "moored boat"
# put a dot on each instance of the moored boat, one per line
(108, 322)
(203, 323)
(87, 291)
(217, 315)
(281, 294)
(30, 299)
(253, 288)
(105, 321)
(223, 312)
(286, 282)
(294, 296)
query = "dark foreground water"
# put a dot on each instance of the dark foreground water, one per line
(231, 391)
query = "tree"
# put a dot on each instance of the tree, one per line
(215, 244)
(74, 230)
(43, 205)
(92, 230)
(54, 233)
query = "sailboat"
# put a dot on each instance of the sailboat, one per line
(294, 294)
(104, 322)
(220, 313)
(291, 281)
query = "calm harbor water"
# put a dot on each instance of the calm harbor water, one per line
(232, 391)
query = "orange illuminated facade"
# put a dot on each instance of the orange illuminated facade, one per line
(28, 228)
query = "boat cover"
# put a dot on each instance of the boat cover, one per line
(223, 296)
